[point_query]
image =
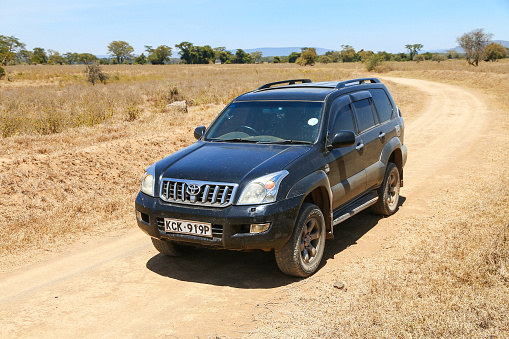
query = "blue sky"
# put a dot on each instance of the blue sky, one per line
(89, 26)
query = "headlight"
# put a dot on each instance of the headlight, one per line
(148, 182)
(262, 190)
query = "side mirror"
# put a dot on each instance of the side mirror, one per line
(198, 132)
(343, 139)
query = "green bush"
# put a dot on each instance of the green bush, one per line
(2, 73)
(373, 62)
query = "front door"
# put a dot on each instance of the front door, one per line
(347, 175)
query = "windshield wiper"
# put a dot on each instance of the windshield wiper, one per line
(287, 142)
(233, 140)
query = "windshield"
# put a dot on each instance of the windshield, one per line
(268, 122)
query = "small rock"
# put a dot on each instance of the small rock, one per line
(339, 285)
(179, 106)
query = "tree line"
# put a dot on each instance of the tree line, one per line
(476, 44)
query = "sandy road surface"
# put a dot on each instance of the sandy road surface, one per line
(121, 287)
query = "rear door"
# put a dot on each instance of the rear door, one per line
(386, 112)
(371, 133)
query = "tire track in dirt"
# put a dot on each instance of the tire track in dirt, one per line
(122, 287)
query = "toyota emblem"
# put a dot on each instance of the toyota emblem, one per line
(193, 189)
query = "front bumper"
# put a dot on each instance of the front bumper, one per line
(230, 225)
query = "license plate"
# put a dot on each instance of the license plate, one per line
(188, 227)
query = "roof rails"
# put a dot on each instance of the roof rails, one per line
(289, 82)
(361, 81)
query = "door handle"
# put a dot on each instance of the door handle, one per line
(381, 135)
(359, 146)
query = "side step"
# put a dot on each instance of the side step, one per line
(355, 207)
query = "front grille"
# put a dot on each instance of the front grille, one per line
(201, 193)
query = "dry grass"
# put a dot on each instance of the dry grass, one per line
(446, 273)
(443, 275)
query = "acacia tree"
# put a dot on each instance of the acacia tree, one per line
(474, 44)
(191, 54)
(222, 54)
(158, 56)
(494, 52)
(292, 57)
(256, 56)
(348, 53)
(438, 57)
(413, 50)
(307, 57)
(39, 56)
(185, 51)
(9, 47)
(121, 50)
(241, 57)
(54, 58)
(334, 55)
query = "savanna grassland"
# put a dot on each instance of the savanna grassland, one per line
(72, 155)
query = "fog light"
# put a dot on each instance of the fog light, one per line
(259, 228)
(143, 217)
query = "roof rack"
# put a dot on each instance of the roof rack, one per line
(361, 81)
(289, 82)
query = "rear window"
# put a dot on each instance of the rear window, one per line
(382, 103)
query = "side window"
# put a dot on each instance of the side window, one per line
(364, 114)
(382, 103)
(344, 120)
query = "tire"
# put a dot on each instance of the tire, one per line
(170, 248)
(388, 192)
(302, 254)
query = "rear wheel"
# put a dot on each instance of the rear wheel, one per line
(388, 192)
(302, 254)
(170, 248)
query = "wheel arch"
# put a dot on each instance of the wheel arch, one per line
(396, 158)
(394, 152)
(315, 189)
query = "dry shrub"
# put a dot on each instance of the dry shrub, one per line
(164, 95)
(50, 99)
(94, 74)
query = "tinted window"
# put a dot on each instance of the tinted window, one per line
(344, 121)
(382, 104)
(364, 114)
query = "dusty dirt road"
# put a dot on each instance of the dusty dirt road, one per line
(121, 287)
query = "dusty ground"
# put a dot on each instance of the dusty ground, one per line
(118, 286)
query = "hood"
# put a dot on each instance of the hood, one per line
(228, 162)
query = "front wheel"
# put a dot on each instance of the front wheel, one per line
(388, 193)
(302, 254)
(170, 248)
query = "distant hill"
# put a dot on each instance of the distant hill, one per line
(281, 51)
(458, 49)
(284, 51)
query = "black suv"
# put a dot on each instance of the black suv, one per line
(277, 169)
